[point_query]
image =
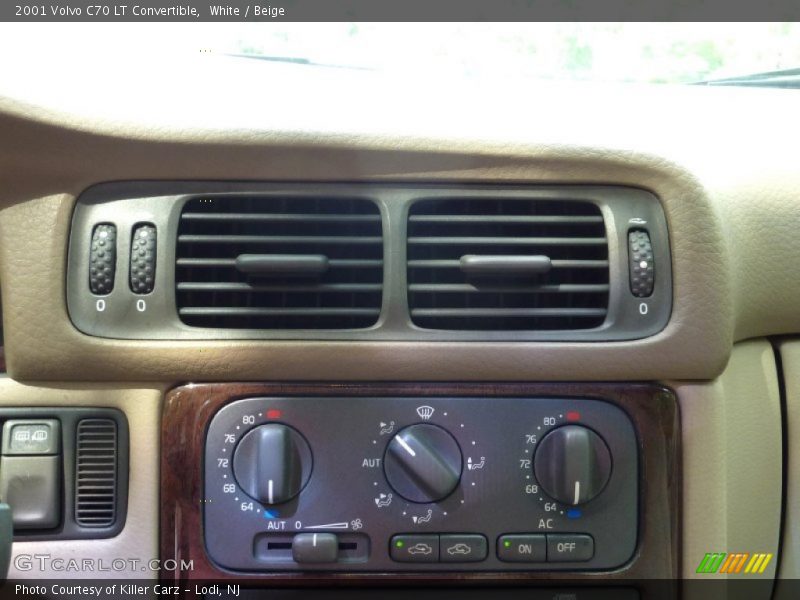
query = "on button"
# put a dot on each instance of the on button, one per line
(521, 548)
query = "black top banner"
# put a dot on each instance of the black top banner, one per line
(398, 10)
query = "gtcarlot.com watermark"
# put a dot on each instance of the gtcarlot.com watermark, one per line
(45, 562)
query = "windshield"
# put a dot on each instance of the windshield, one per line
(605, 52)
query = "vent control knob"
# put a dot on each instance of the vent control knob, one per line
(572, 464)
(272, 463)
(423, 463)
(103, 259)
(143, 259)
(641, 264)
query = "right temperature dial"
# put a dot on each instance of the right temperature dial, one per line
(572, 464)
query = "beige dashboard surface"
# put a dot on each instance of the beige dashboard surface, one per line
(729, 186)
(790, 561)
(731, 482)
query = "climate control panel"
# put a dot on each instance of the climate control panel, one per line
(410, 484)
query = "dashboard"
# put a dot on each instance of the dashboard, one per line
(555, 341)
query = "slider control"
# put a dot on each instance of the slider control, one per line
(315, 548)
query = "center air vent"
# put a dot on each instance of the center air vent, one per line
(507, 264)
(279, 262)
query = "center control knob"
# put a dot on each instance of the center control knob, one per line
(423, 463)
(572, 464)
(272, 463)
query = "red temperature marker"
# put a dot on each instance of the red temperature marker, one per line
(573, 415)
(273, 413)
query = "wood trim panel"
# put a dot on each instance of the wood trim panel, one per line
(653, 410)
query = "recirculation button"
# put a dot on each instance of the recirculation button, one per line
(641, 263)
(143, 258)
(411, 547)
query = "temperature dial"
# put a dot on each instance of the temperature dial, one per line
(572, 464)
(423, 463)
(272, 463)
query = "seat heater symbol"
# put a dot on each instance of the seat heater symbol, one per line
(424, 519)
(425, 412)
(473, 466)
(386, 429)
(383, 500)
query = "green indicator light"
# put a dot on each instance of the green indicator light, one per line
(507, 544)
(399, 544)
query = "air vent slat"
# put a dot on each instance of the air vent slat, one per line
(276, 239)
(231, 262)
(277, 312)
(96, 473)
(526, 219)
(508, 312)
(575, 288)
(507, 241)
(248, 287)
(564, 239)
(254, 217)
(214, 290)
(555, 264)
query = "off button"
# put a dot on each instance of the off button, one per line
(569, 547)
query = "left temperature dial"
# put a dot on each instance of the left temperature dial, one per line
(272, 463)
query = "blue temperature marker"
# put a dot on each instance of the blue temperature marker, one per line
(574, 513)
(269, 515)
